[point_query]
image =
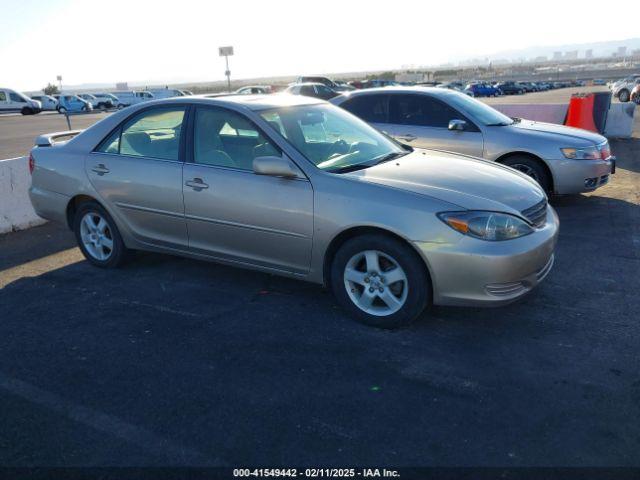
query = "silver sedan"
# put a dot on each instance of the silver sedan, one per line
(298, 187)
(561, 159)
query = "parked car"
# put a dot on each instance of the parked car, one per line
(132, 97)
(335, 86)
(598, 81)
(451, 86)
(47, 102)
(529, 87)
(635, 95)
(622, 89)
(317, 90)
(96, 102)
(481, 90)
(253, 89)
(108, 100)
(73, 103)
(510, 88)
(294, 186)
(159, 93)
(561, 159)
(13, 101)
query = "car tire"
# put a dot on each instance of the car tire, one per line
(624, 95)
(62, 110)
(98, 236)
(531, 167)
(362, 280)
(101, 106)
(26, 111)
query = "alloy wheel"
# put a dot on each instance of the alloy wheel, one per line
(96, 236)
(376, 283)
(527, 170)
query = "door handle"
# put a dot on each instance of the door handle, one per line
(407, 137)
(197, 184)
(100, 169)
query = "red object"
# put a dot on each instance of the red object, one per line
(580, 113)
(32, 163)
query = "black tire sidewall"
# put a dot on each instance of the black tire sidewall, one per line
(545, 181)
(419, 294)
(119, 253)
(626, 95)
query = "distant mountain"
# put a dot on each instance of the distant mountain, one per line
(599, 49)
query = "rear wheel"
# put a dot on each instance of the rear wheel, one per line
(98, 236)
(624, 95)
(531, 167)
(380, 281)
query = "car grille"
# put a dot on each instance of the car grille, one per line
(537, 214)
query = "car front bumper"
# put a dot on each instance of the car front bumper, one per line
(475, 272)
(578, 176)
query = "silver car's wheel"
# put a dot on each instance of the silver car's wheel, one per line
(527, 170)
(376, 283)
(96, 235)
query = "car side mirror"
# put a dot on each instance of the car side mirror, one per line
(276, 167)
(457, 125)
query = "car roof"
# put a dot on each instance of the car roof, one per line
(252, 102)
(402, 89)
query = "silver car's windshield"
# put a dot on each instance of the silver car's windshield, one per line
(331, 138)
(478, 110)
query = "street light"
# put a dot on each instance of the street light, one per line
(226, 52)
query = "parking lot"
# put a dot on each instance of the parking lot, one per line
(170, 361)
(17, 132)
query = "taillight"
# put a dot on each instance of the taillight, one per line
(32, 163)
(605, 152)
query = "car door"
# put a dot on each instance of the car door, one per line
(137, 171)
(421, 120)
(234, 214)
(4, 100)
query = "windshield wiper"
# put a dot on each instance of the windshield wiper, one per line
(349, 168)
(390, 156)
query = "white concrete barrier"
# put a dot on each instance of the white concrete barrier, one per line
(549, 113)
(620, 120)
(16, 212)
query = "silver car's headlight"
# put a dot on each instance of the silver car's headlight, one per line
(586, 153)
(492, 226)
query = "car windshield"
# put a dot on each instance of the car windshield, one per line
(478, 110)
(331, 138)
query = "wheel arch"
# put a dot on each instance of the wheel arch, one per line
(504, 157)
(356, 231)
(74, 204)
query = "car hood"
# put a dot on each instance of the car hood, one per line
(468, 182)
(561, 131)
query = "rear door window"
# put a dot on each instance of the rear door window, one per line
(154, 133)
(421, 110)
(370, 108)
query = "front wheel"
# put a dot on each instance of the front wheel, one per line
(380, 281)
(26, 111)
(532, 168)
(98, 236)
(624, 95)
(62, 110)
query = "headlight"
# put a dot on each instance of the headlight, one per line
(587, 153)
(492, 226)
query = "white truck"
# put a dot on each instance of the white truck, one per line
(13, 101)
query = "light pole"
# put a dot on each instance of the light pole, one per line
(59, 78)
(226, 52)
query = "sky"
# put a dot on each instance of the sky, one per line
(156, 42)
